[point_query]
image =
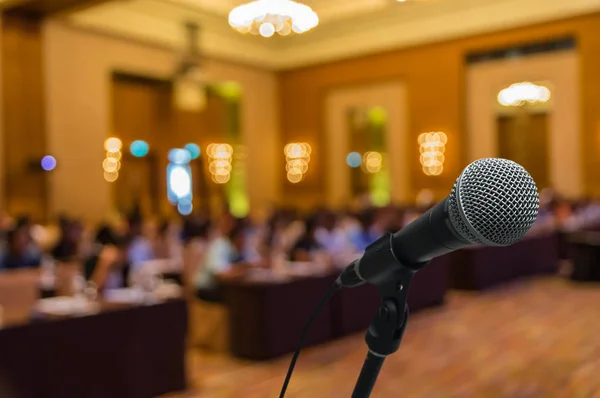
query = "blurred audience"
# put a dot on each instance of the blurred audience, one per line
(69, 244)
(109, 269)
(206, 250)
(330, 235)
(366, 233)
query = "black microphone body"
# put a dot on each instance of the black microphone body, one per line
(493, 202)
(430, 235)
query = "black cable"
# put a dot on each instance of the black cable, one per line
(334, 288)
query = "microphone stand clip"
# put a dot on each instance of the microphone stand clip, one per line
(386, 330)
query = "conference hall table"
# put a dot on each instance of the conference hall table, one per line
(585, 252)
(267, 313)
(121, 351)
(482, 267)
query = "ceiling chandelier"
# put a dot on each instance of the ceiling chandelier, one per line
(267, 17)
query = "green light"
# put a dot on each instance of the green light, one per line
(377, 116)
(379, 191)
(229, 90)
(238, 200)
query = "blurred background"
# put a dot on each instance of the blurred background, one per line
(182, 180)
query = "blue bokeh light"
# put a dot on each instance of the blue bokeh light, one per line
(48, 163)
(179, 156)
(354, 159)
(193, 149)
(185, 207)
(139, 148)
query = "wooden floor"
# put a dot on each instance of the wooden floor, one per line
(533, 339)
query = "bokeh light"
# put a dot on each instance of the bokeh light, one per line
(372, 162)
(112, 162)
(432, 147)
(193, 149)
(521, 93)
(221, 178)
(48, 163)
(297, 156)
(114, 155)
(139, 148)
(220, 162)
(111, 176)
(180, 181)
(111, 165)
(185, 207)
(113, 144)
(354, 159)
(179, 156)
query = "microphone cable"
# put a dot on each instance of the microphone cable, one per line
(332, 290)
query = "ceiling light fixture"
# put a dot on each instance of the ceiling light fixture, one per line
(522, 93)
(267, 17)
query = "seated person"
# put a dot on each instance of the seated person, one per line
(18, 253)
(223, 256)
(140, 248)
(109, 268)
(25, 223)
(162, 248)
(367, 233)
(194, 236)
(67, 247)
(308, 243)
(330, 236)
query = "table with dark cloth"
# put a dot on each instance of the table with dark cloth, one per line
(129, 352)
(353, 309)
(266, 318)
(482, 267)
(585, 252)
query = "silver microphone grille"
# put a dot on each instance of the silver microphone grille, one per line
(493, 202)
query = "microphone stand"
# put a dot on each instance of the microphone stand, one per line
(386, 330)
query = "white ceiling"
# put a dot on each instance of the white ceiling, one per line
(348, 27)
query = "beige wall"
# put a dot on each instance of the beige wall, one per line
(78, 67)
(390, 96)
(561, 71)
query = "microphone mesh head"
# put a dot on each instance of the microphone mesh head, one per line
(493, 202)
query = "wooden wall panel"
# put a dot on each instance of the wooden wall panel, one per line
(142, 109)
(24, 137)
(435, 78)
(523, 137)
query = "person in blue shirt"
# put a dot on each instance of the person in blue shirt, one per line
(140, 247)
(366, 234)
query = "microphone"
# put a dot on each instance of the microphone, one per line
(494, 202)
